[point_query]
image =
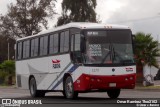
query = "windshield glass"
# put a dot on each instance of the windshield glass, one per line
(108, 47)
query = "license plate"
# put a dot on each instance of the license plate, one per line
(112, 84)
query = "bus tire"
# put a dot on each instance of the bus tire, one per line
(69, 92)
(33, 89)
(113, 93)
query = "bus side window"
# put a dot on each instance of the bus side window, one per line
(64, 41)
(72, 43)
(19, 50)
(72, 48)
(77, 42)
(26, 49)
(43, 45)
(75, 48)
(34, 47)
(53, 47)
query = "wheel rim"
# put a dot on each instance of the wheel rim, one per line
(69, 87)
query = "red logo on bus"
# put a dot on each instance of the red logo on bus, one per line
(129, 69)
(56, 63)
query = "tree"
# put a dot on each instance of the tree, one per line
(8, 67)
(77, 11)
(63, 20)
(26, 17)
(4, 42)
(146, 50)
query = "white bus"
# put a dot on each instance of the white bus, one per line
(76, 58)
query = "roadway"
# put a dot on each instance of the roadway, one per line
(84, 98)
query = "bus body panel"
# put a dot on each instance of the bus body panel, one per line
(49, 70)
(98, 82)
(86, 76)
(45, 70)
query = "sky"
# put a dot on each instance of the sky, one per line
(139, 15)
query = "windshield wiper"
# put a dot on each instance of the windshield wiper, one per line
(103, 60)
(105, 57)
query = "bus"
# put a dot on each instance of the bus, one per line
(76, 58)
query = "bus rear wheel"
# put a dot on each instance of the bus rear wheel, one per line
(69, 89)
(33, 89)
(113, 93)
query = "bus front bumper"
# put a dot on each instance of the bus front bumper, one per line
(91, 82)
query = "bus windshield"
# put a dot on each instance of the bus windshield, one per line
(109, 47)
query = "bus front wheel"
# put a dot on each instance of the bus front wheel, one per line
(113, 93)
(69, 88)
(33, 89)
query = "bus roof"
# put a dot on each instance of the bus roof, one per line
(81, 25)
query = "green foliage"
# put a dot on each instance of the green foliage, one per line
(146, 49)
(3, 76)
(63, 20)
(26, 17)
(8, 66)
(77, 11)
(7, 69)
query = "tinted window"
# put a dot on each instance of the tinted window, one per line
(53, 48)
(72, 42)
(64, 41)
(121, 36)
(56, 43)
(109, 47)
(19, 51)
(41, 45)
(34, 47)
(44, 45)
(26, 49)
(77, 42)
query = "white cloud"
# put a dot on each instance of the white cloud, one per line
(3, 5)
(106, 8)
(126, 12)
(140, 15)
